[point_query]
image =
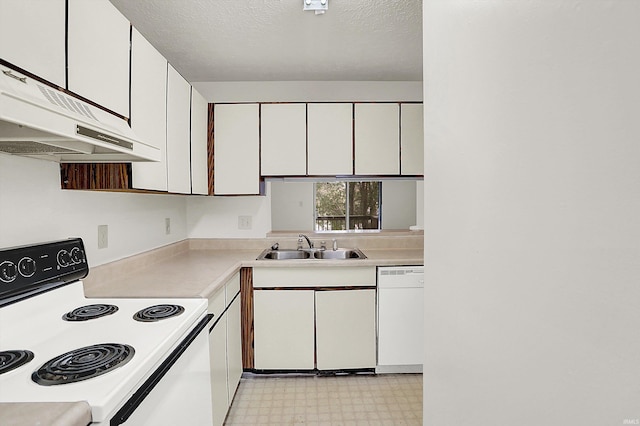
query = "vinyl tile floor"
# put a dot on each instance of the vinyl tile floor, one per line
(361, 399)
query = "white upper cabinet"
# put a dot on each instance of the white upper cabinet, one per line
(330, 139)
(236, 149)
(149, 111)
(411, 139)
(178, 133)
(377, 139)
(199, 161)
(283, 140)
(32, 37)
(98, 53)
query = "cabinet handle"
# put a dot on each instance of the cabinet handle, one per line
(8, 73)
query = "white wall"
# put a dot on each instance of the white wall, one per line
(398, 204)
(292, 205)
(532, 211)
(310, 91)
(217, 217)
(34, 209)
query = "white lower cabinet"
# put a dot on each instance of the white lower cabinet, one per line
(306, 318)
(283, 322)
(345, 329)
(218, 353)
(225, 348)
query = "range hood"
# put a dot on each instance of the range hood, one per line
(41, 122)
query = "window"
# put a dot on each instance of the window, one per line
(347, 205)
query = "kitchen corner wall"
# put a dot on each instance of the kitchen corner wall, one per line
(34, 209)
(217, 217)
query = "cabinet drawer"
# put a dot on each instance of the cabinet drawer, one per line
(314, 277)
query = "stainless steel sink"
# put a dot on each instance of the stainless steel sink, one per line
(341, 253)
(284, 254)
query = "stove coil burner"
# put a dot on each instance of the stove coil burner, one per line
(88, 312)
(10, 360)
(83, 363)
(158, 312)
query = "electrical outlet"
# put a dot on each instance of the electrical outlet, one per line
(167, 225)
(244, 222)
(103, 236)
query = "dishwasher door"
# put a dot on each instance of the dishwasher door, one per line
(400, 319)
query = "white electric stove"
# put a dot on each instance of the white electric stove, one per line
(135, 361)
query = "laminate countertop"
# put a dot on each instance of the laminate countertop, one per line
(45, 413)
(200, 273)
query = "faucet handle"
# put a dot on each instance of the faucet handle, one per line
(335, 244)
(323, 245)
(299, 243)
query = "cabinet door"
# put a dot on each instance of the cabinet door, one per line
(178, 133)
(234, 347)
(149, 111)
(377, 139)
(236, 149)
(345, 329)
(283, 329)
(32, 37)
(98, 53)
(283, 140)
(330, 134)
(218, 353)
(411, 139)
(199, 162)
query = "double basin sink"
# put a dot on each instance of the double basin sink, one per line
(341, 253)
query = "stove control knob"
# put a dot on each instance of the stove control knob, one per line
(27, 267)
(77, 256)
(8, 271)
(64, 258)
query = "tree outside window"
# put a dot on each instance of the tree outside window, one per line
(347, 205)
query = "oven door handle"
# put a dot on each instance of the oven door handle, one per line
(136, 399)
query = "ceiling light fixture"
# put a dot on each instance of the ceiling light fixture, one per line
(318, 6)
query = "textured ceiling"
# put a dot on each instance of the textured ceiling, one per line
(275, 40)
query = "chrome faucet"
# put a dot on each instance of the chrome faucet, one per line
(308, 240)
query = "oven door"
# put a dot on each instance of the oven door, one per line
(179, 391)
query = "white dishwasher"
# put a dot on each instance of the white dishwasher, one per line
(400, 319)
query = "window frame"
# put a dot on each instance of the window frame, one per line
(346, 201)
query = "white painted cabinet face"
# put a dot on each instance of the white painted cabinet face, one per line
(98, 54)
(218, 354)
(283, 140)
(178, 133)
(377, 139)
(330, 144)
(199, 129)
(346, 329)
(234, 347)
(32, 37)
(283, 329)
(149, 111)
(411, 139)
(236, 149)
